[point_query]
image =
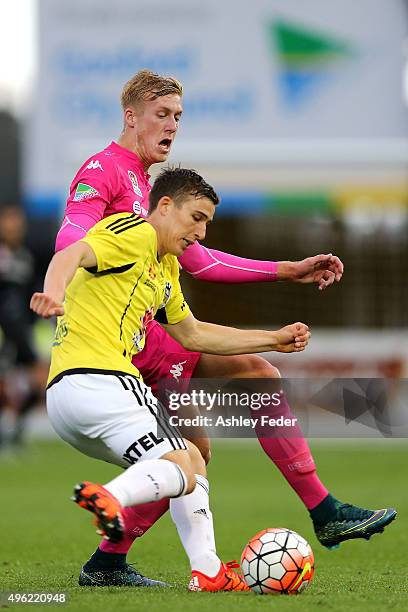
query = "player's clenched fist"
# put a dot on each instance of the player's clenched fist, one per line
(292, 338)
(46, 306)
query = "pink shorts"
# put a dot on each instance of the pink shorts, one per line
(164, 359)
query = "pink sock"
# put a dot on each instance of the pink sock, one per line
(291, 454)
(138, 520)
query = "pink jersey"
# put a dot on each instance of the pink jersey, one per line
(109, 182)
(115, 180)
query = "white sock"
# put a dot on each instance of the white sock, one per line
(193, 519)
(148, 481)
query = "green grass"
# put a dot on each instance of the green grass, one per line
(45, 538)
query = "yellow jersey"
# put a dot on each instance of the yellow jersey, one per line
(107, 308)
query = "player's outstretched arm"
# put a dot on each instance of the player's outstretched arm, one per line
(59, 274)
(320, 269)
(220, 340)
(219, 267)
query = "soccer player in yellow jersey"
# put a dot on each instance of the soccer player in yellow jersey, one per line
(105, 289)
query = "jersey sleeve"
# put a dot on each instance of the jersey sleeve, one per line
(219, 267)
(73, 228)
(176, 308)
(93, 188)
(119, 241)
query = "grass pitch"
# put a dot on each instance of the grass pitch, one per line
(45, 538)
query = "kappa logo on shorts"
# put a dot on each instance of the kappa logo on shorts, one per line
(84, 192)
(143, 444)
(176, 369)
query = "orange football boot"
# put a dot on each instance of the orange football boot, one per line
(107, 509)
(225, 580)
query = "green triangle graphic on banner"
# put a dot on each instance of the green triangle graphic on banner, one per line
(298, 46)
(308, 59)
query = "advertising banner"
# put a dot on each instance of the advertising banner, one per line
(274, 69)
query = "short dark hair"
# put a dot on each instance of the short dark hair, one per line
(177, 183)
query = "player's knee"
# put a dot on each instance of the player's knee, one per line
(207, 456)
(188, 468)
(187, 461)
(258, 367)
(191, 483)
(205, 453)
(204, 446)
(197, 460)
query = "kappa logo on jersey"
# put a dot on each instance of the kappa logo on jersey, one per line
(84, 192)
(176, 370)
(94, 165)
(135, 184)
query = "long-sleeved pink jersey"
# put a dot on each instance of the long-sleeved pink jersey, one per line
(113, 181)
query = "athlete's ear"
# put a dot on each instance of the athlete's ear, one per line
(164, 205)
(130, 117)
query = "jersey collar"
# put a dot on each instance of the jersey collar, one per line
(135, 159)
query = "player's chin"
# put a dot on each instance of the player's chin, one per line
(161, 155)
(178, 249)
(185, 245)
(158, 159)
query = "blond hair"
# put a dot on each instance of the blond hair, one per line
(146, 86)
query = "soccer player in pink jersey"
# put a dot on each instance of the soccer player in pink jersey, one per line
(116, 179)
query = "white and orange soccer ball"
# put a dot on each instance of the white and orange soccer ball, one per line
(277, 561)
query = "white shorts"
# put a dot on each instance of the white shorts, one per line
(113, 417)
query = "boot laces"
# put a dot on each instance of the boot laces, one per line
(353, 513)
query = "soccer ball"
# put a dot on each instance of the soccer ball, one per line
(277, 561)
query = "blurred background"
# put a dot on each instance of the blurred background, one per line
(297, 113)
